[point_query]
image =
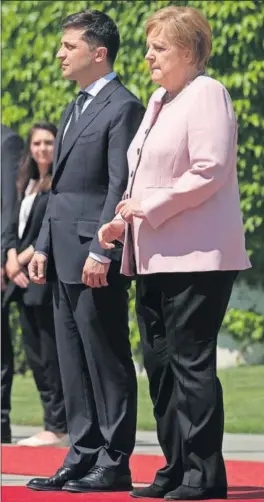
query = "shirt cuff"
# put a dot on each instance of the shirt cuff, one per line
(99, 257)
(41, 252)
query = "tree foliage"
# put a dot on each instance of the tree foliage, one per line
(245, 327)
(33, 88)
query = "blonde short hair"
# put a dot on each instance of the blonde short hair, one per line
(185, 27)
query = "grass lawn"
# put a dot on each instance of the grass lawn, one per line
(243, 395)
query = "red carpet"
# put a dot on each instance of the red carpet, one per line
(40, 461)
(246, 479)
(45, 461)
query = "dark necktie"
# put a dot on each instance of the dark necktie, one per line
(77, 111)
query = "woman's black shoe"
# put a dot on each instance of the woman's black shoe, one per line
(189, 493)
(153, 491)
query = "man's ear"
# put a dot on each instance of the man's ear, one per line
(101, 54)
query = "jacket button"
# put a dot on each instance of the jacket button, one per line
(54, 191)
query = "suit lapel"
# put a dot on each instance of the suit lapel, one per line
(153, 115)
(58, 142)
(93, 109)
(86, 118)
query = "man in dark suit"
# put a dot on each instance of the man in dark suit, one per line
(11, 149)
(91, 297)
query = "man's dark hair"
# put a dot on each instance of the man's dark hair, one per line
(99, 29)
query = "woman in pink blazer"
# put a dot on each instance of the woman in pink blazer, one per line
(183, 236)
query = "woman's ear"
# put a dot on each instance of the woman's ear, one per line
(188, 56)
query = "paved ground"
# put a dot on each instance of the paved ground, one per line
(236, 447)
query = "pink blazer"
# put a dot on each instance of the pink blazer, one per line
(182, 167)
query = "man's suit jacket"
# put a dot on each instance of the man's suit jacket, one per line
(11, 150)
(90, 176)
(182, 165)
(34, 294)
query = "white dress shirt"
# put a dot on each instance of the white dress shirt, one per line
(93, 89)
(25, 208)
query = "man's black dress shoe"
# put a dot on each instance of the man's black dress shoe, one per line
(152, 491)
(101, 479)
(189, 493)
(56, 482)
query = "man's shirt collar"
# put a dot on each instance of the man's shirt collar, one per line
(94, 88)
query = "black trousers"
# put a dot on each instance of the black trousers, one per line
(37, 324)
(179, 316)
(7, 370)
(98, 374)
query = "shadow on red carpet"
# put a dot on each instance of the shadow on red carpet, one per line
(23, 494)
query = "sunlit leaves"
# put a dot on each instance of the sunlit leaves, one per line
(245, 326)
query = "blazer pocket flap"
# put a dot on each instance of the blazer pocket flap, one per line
(88, 138)
(87, 228)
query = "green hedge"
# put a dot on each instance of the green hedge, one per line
(33, 88)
